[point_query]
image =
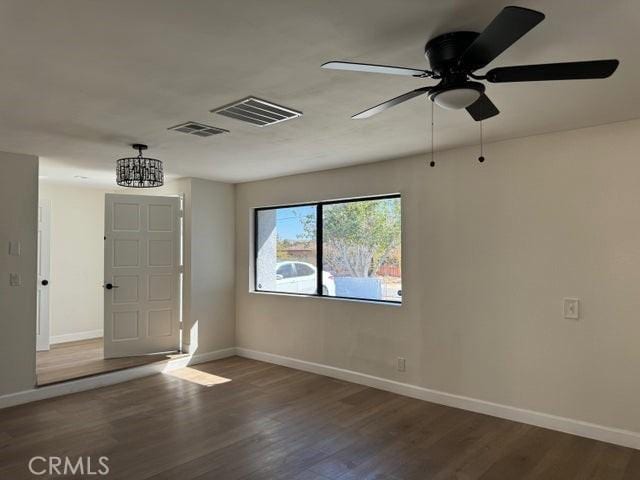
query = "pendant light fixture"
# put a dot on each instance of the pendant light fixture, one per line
(139, 172)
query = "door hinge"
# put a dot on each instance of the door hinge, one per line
(181, 269)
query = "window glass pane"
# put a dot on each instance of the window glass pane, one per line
(286, 238)
(361, 248)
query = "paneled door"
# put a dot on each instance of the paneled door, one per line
(141, 275)
(44, 245)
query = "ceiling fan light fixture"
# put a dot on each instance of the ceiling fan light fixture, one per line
(456, 98)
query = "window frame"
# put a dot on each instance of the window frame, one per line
(319, 237)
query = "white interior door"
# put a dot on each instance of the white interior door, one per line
(44, 248)
(141, 268)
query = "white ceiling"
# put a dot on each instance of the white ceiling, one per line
(83, 79)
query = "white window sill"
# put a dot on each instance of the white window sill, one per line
(340, 299)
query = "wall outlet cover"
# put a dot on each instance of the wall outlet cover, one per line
(402, 364)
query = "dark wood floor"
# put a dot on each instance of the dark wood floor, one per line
(261, 421)
(84, 358)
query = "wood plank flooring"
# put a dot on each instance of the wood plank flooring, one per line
(262, 421)
(71, 360)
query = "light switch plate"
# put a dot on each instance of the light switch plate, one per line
(15, 247)
(15, 280)
(572, 308)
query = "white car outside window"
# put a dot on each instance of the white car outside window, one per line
(300, 277)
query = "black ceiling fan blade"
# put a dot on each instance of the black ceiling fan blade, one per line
(553, 71)
(504, 30)
(391, 103)
(482, 109)
(371, 68)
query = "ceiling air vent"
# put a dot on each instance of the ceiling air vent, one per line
(199, 129)
(257, 112)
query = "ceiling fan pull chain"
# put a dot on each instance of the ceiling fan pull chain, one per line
(481, 157)
(433, 161)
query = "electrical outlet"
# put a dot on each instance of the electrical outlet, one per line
(571, 308)
(402, 364)
(15, 280)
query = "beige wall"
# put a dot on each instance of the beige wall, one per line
(209, 263)
(489, 252)
(18, 222)
(77, 260)
(212, 266)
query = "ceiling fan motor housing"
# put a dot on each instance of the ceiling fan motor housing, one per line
(444, 51)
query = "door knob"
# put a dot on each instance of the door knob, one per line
(45, 282)
(109, 286)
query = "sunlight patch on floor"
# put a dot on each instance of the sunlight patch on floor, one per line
(196, 376)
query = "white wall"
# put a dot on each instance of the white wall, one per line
(77, 260)
(18, 222)
(489, 252)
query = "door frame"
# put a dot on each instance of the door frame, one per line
(43, 256)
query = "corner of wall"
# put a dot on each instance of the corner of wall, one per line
(18, 222)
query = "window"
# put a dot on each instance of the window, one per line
(286, 250)
(357, 242)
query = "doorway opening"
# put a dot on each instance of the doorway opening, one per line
(109, 281)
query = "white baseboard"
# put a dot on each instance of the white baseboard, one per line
(617, 436)
(110, 378)
(74, 337)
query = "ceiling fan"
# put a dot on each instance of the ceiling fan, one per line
(455, 56)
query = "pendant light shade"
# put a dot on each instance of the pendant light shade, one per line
(139, 172)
